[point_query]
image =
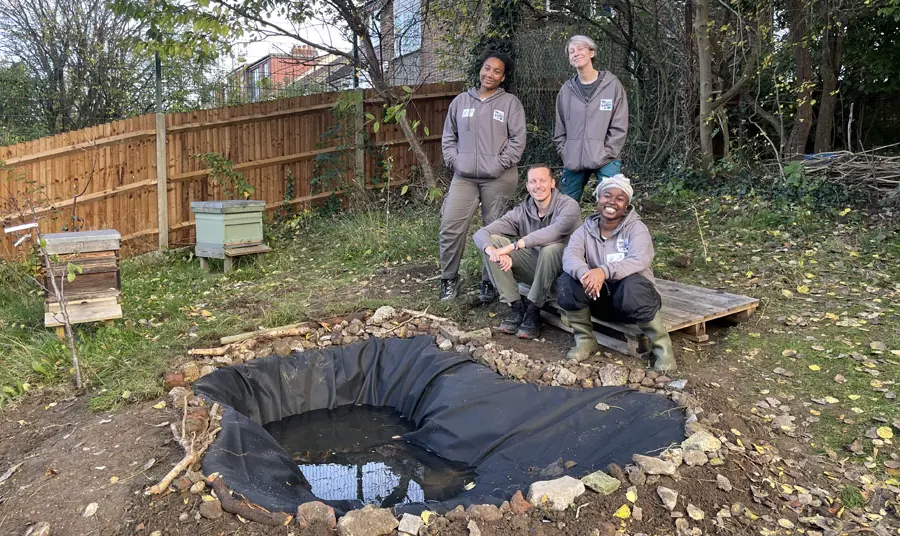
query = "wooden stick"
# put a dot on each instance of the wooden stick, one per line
(222, 350)
(244, 508)
(253, 334)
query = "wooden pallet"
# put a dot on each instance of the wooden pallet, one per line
(231, 253)
(685, 308)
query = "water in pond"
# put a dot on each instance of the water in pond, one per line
(351, 452)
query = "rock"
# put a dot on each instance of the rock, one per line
(90, 509)
(695, 457)
(473, 528)
(457, 514)
(316, 514)
(636, 375)
(654, 466)
(723, 483)
(674, 455)
(695, 513)
(612, 375)
(484, 512)
(601, 483)
(383, 314)
(184, 517)
(517, 371)
(677, 385)
(450, 332)
(410, 524)
(702, 440)
(669, 497)
(367, 521)
(282, 348)
(483, 334)
(39, 529)
(636, 475)
(446, 345)
(182, 483)
(607, 529)
(206, 369)
(518, 504)
(211, 509)
(557, 494)
(587, 383)
(565, 377)
(174, 379)
(682, 526)
(198, 487)
(637, 513)
(190, 372)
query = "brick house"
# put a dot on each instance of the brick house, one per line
(409, 44)
(266, 77)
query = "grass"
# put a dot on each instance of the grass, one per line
(827, 281)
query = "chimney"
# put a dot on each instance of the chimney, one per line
(303, 52)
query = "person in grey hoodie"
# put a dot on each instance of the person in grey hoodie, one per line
(483, 141)
(526, 245)
(591, 120)
(607, 274)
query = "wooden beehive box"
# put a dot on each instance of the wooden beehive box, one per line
(95, 294)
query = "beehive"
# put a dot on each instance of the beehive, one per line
(95, 293)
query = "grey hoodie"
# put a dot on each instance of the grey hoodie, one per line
(562, 217)
(482, 138)
(591, 133)
(628, 251)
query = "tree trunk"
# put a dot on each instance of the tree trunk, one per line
(831, 65)
(701, 29)
(803, 117)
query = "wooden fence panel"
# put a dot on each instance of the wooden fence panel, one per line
(113, 166)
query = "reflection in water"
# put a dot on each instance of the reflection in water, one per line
(351, 452)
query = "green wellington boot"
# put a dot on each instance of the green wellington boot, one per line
(660, 343)
(585, 343)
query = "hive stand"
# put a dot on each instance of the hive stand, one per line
(685, 308)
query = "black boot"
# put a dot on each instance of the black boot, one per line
(531, 323)
(510, 324)
(488, 293)
(449, 288)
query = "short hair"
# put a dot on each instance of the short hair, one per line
(509, 65)
(539, 165)
(581, 39)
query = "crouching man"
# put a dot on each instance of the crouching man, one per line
(607, 273)
(526, 245)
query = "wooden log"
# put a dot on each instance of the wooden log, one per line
(242, 507)
(268, 332)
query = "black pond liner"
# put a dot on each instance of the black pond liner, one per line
(512, 433)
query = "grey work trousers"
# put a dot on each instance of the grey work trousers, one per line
(459, 206)
(538, 267)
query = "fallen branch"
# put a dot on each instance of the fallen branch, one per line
(245, 509)
(221, 350)
(270, 332)
(424, 314)
(194, 446)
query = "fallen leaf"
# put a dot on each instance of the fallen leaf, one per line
(885, 432)
(831, 400)
(815, 367)
(785, 523)
(803, 289)
(631, 494)
(853, 397)
(113, 479)
(91, 509)
(878, 346)
(623, 512)
(787, 293)
(159, 405)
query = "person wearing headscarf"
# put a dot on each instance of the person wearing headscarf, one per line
(607, 273)
(482, 142)
(591, 120)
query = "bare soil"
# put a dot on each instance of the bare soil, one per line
(71, 457)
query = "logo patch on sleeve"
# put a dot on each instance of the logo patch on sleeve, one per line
(499, 116)
(606, 105)
(468, 112)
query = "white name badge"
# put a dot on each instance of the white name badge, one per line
(615, 257)
(499, 115)
(605, 105)
(468, 112)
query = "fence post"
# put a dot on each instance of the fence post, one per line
(162, 183)
(360, 152)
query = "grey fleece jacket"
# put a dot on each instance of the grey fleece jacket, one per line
(482, 138)
(562, 217)
(628, 251)
(591, 133)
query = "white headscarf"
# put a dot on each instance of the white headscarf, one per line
(616, 181)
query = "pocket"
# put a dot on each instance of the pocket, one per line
(465, 164)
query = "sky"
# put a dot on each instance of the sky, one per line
(253, 50)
